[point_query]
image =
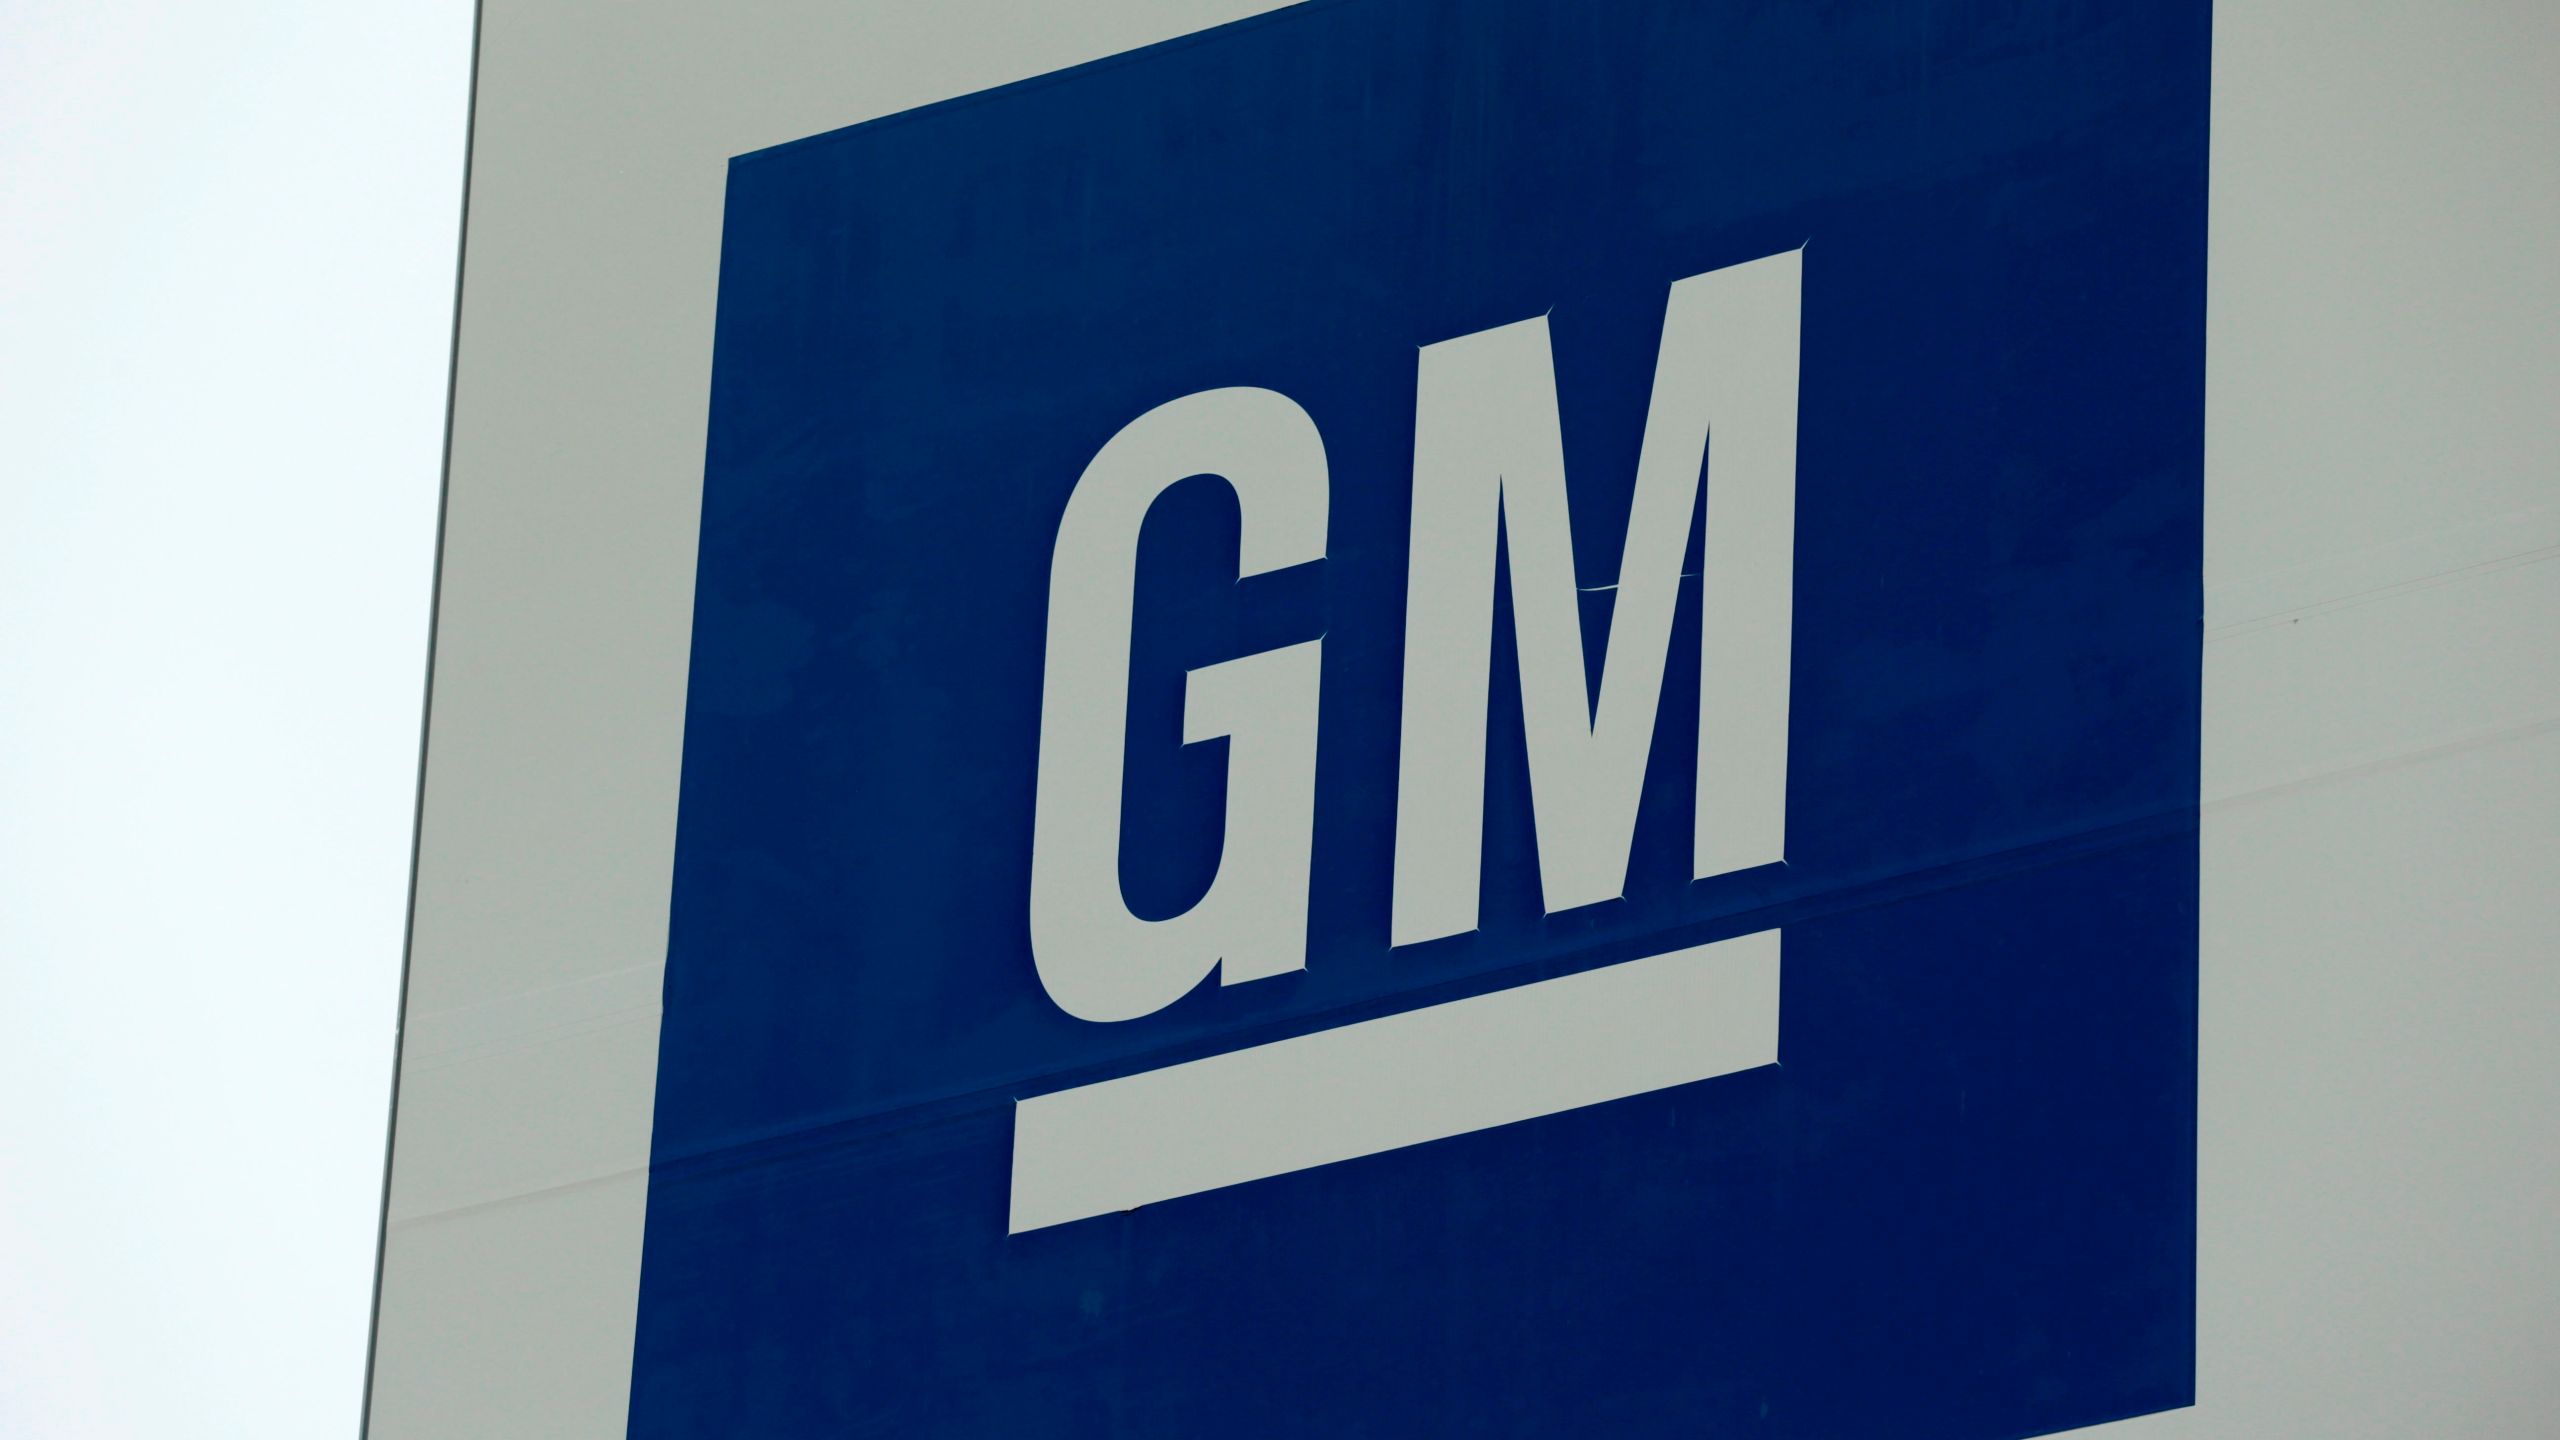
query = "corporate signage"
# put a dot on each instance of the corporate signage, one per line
(1431, 719)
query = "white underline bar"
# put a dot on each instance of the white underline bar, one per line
(1399, 1080)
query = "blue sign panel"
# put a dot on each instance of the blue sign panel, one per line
(1452, 718)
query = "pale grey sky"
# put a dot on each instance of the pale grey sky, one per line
(226, 265)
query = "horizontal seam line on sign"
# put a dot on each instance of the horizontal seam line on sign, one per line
(516, 997)
(783, 1142)
(775, 1143)
(2479, 542)
(518, 1197)
(2476, 739)
(1429, 1068)
(811, 1138)
(2390, 590)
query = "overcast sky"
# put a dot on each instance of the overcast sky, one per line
(226, 266)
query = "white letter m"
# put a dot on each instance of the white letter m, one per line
(1489, 465)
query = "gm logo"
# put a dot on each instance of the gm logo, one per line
(1293, 627)
(1488, 482)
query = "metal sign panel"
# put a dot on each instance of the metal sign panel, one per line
(1407, 719)
(1428, 719)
